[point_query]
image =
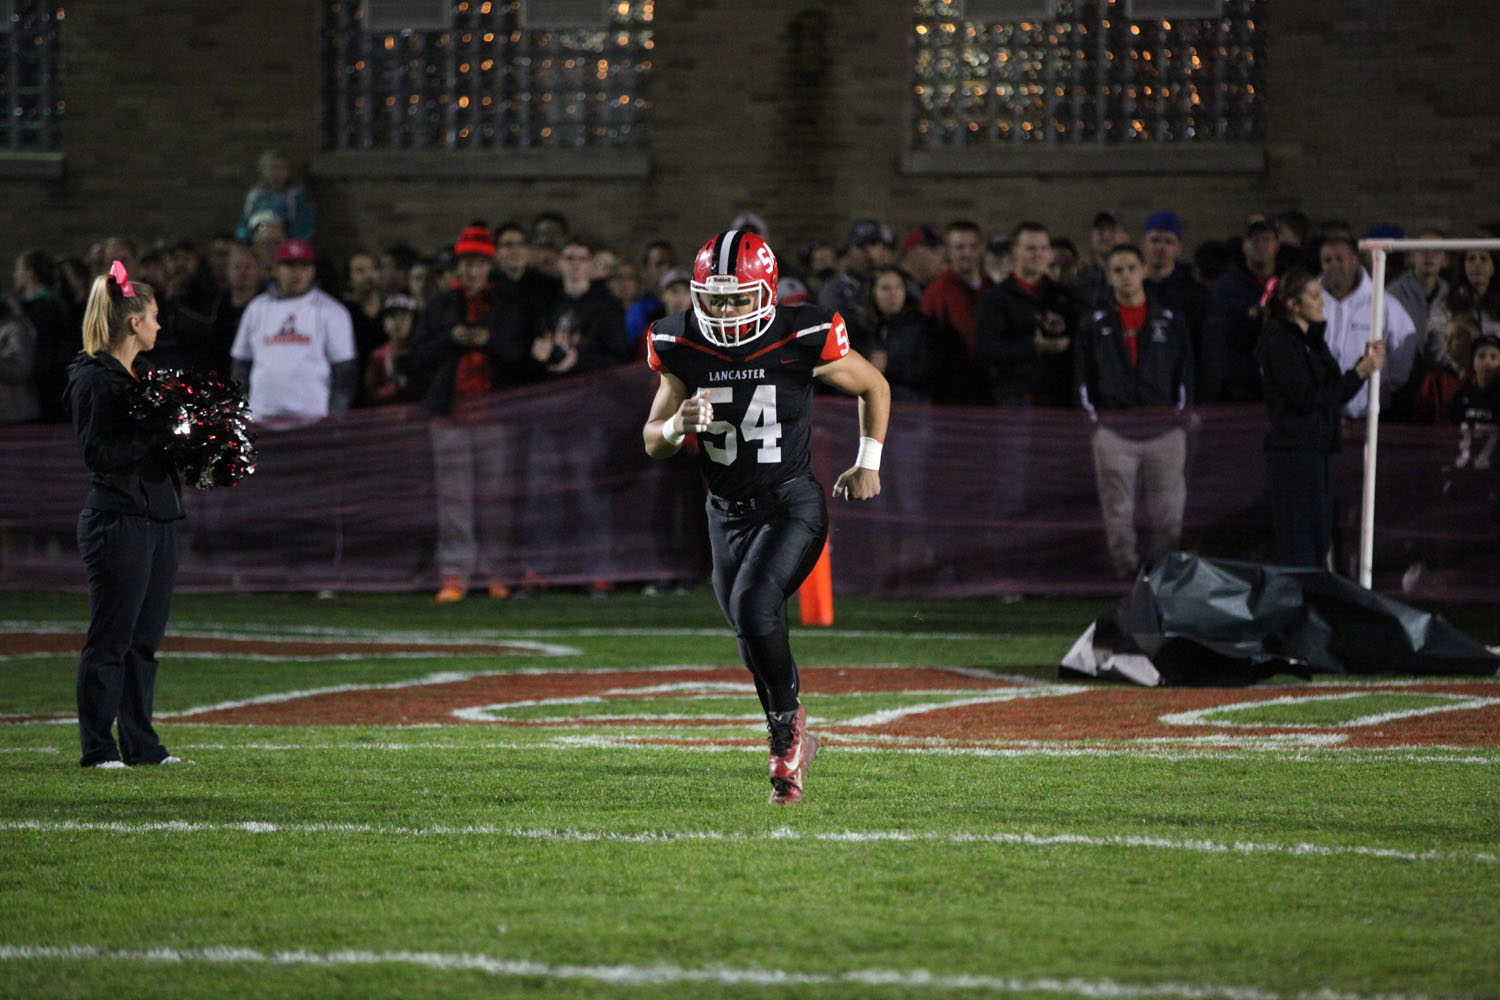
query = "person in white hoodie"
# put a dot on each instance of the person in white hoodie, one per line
(1347, 295)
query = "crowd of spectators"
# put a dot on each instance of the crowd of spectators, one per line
(952, 313)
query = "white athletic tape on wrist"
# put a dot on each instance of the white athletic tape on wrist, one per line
(672, 430)
(869, 454)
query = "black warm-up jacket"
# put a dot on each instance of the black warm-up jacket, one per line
(131, 473)
(1303, 386)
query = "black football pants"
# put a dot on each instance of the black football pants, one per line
(762, 551)
(132, 565)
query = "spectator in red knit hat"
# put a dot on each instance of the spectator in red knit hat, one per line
(469, 342)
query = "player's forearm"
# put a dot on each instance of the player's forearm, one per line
(875, 407)
(660, 437)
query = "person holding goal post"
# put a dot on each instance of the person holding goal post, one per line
(738, 370)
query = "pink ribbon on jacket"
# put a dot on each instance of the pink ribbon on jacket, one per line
(1265, 296)
(117, 271)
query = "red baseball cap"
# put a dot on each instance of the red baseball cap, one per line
(295, 252)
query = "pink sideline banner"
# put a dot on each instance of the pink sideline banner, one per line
(976, 501)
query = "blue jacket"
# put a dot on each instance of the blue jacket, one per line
(291, 205)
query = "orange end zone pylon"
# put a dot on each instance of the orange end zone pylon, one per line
(816, 593)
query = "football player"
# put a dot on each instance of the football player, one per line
(738, 371)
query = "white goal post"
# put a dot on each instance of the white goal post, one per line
(1379, 249)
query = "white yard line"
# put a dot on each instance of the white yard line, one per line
(889, 715)
(664, 974)
(1215, 716)
(1000, 838)
(449, 677)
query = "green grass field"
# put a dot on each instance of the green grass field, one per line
(579, 859)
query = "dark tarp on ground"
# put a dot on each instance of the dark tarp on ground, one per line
(1194, 621)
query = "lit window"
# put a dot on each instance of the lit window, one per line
(1089, 75)
(30, 77)
(484, 83)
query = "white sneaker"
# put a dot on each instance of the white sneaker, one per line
(111, 765)
(169, 759)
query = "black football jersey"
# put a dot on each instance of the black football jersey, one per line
(1477, 413)
(761, 392)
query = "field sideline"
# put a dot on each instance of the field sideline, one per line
(566, 798)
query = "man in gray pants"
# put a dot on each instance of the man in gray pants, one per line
(1134, 354)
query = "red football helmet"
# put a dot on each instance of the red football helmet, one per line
(734, 288)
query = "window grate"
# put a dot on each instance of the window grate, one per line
(1091, 75)
(1146, 10)
(485, 82)
(561, 15)
(403, 15)
(1005, 10)
(30, 80)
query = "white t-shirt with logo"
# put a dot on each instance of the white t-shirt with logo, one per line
(293, 345)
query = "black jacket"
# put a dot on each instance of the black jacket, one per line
(597, 320)
(1162, 376)
(130, 472)
(1185, 295)
(1005, 323)
(435, 355)
(1303, 386)
(920, 356)
(1227, 368)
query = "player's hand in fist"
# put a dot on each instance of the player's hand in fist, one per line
(857, 484)
(695, 413)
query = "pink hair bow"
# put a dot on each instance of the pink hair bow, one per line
(117, 271)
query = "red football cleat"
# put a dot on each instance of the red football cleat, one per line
(792, 749)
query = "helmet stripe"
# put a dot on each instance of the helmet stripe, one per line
(728, 251)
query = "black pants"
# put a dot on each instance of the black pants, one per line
(762, 551)
(132, 565)
(1301, 492)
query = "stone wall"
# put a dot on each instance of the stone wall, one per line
(1378, 111)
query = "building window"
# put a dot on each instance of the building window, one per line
(1087, 73)
(30, 33)
(492, 79)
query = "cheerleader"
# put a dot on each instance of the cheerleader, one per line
(126, 531)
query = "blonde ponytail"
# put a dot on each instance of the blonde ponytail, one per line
(106, 318)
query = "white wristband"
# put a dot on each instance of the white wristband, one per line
(672, 431)
(869, 454)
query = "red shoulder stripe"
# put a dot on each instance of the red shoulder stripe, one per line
(771, 347)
